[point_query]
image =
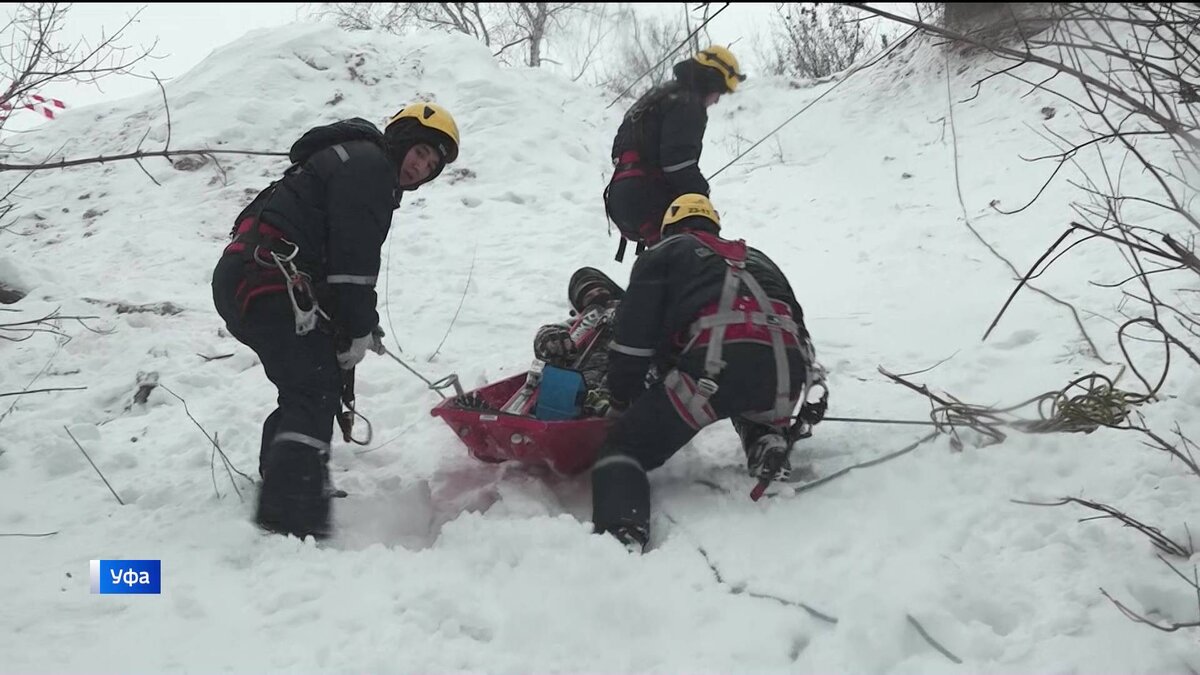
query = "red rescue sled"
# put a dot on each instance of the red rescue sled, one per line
(502, 421)
(567, 447)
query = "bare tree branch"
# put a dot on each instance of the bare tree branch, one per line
(65, 163)
(1161, 541)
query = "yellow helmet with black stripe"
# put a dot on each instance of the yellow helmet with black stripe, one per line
(687, 206)
(427, 123)
(723, 61)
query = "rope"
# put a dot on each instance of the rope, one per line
(448, 381)
(1083, 405)
(813, 102)
(347, 424)
(671, 53)
(868, 420)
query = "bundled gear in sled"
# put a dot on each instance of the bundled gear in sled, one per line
(297, 285)
(656, 152)
(555, 414)
(721, 322)
(581, 343)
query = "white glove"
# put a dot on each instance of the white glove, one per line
(357, 350)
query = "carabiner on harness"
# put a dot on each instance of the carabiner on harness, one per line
(306, 318)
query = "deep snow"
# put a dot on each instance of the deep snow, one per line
(443, 563)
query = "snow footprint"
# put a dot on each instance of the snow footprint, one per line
(1018, 339)
(511, 197)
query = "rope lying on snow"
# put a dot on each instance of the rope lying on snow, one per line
(1083, 405)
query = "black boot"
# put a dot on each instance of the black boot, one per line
(270, 428)
(294, 498)
(589, 286)
(621, 500)
(768, 458)
(633, 537)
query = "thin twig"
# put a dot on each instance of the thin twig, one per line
(1137, 618)
(40, 391)
(739, 590)
(967, 221)
(62, 164)
(229, 466)
(1161, 541)
(89, 459)
(167, 107)
(35, 378)
(926, 370)
(928, 638)
(212, 465)
(24, 534)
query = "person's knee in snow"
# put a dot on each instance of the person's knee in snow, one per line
(726, 319)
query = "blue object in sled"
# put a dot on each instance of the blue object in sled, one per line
(560, 394)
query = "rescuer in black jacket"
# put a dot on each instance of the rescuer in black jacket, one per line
(721, 322)
(297, 285)
(656, 152)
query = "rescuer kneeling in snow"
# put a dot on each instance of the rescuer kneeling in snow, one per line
(721, 321)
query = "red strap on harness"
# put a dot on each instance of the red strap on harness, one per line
(731, 251)
(256, 291)
(244, 227)
(629, 165)
(259, 280)
(734, 252)
(629, 157)
(745, 331)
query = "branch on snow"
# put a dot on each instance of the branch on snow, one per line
(1194, 582)
(1137, 618)
(67, 163)
(1161, 541)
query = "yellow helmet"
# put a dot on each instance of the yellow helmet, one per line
(428, 123)
(723, 61)
(686, 206)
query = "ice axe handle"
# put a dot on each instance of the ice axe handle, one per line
(345, 418)
(759, 489)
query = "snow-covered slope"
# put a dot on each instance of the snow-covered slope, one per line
(443, 563)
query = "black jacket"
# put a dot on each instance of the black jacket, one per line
(669, 285)
(666, 126)
(336, 204)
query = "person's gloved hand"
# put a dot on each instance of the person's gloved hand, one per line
(378, 334)
(813, 409)
(553, 342)
(598, 403)
(350, 357)
(812, 412)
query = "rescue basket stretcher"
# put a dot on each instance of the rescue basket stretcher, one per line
(542, 429)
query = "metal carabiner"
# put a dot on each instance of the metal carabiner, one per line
(306, 319)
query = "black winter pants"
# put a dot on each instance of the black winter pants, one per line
(294, 450)
(637, 206)
(658, 424)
